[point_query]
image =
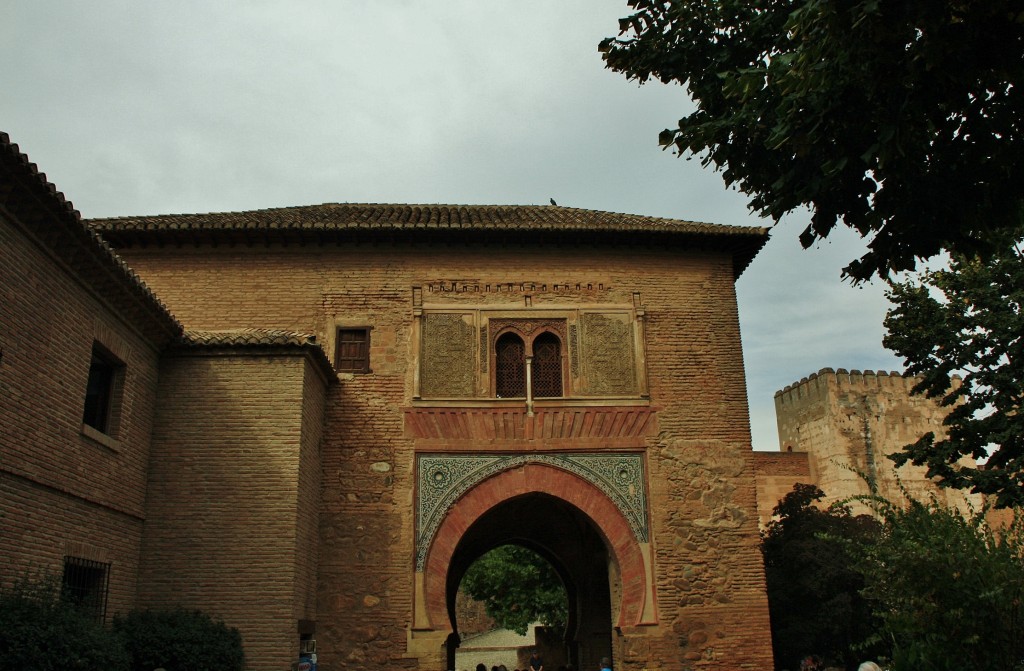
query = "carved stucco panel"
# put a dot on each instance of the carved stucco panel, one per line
(526, 326)
(448, 356)
(609, 356)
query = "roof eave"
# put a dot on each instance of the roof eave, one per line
(35, 205)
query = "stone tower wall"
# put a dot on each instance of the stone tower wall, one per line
(848, 421)
(776, 473)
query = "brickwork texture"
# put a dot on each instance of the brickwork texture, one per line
(65, 490)
(708, 579)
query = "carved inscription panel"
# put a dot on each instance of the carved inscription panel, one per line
(609, 357)
(448, 356)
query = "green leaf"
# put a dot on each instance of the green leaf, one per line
(937, 135)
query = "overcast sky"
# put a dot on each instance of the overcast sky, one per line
(197, 106)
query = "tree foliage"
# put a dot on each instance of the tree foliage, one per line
(40, 630)
(180, 640)
(901, 119)
(813, 584)
(968, 321)
(949, 591)
(518, 587)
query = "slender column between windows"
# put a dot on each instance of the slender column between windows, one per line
(529, 386)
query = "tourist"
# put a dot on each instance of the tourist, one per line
(536, 663)
(606, 664)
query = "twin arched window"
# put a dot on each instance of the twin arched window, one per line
(510, 366)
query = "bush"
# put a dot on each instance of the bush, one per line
(180, 640)
(40, 631)
(814, 588)
(949, 590)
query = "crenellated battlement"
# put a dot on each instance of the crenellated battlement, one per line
(846, 422)
(817, 385)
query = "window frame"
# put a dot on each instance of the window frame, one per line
(545, 334)
(527, 341)
(101, 407)
(498, 383)
(364, 356)
(86, 584)
(444, 380)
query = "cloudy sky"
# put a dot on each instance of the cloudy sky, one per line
(196, 106)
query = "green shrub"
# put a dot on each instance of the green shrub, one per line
(813, 585)
(949, 591)
(180, 640)
(40, 631)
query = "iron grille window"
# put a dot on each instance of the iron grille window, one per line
(85, 584)
(509, 367)
(99, 390)
(352, 354)
(547, 366)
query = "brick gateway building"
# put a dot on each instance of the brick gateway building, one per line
(310, 421)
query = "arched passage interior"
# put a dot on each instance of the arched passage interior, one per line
(563, 535)
(546, 490)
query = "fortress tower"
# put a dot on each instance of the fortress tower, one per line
(847, 422)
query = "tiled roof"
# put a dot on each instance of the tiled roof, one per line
(413, 223)
(252, 338)
(46, 215)
(403, 217)
(245, 337)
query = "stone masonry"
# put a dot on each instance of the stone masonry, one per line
(836, 428)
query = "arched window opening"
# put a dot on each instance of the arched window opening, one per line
(547, 366)
(509, 367)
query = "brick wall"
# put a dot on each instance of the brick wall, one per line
(307, 522)
(63, 490)
(231, 520)
(776, 473)
(712, 610)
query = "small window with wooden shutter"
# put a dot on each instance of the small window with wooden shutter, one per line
(352, 354)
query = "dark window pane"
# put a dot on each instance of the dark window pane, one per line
(509, 367)
(84, 584)
(99, 391)
(547, 366)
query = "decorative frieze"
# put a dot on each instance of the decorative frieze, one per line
(442, 479)
(477, 287)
